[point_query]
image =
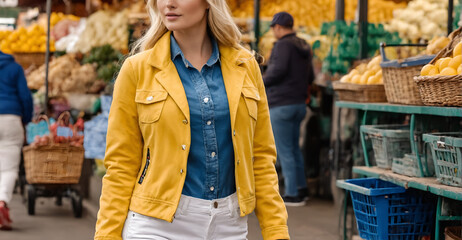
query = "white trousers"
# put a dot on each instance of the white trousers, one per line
(11, 141)
(194, 219)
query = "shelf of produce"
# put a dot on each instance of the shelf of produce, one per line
(405, 109)
(425, 184)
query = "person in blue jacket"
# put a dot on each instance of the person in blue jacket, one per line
(15, 111)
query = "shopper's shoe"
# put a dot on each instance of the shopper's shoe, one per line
(294, 201)
(5, 221)
(304, 193)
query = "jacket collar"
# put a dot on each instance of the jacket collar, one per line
(160, 55)
(288, 35)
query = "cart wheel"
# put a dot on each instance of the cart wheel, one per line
(31, 199)
(76, 200)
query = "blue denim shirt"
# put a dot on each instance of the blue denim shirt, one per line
(210, 168)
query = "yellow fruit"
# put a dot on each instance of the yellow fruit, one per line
(353, 72)
(345, 79)
(35, 49)
(457, 50)
(379, 73)
(361, 68)
(441, 42)
(455, 62)
(365, 77)
(372, 80)
(22, 31)
(448, 72)
(443, 63)
(459, 70)
(429, 70)
(374, 62)
(356, 79)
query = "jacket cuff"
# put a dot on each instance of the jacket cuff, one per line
(275, 233)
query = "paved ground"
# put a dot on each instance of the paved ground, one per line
(316, 221)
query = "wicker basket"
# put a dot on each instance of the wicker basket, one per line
(398, 77)
(453, 233)
(28, 59)
(442, 90)
(360, 93)
(53, 164)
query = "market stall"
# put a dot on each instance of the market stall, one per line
(417, 156)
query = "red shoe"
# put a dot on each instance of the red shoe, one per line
(5, 221)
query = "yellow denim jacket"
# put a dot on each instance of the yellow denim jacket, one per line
(150, 111)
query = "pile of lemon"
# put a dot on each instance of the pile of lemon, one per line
(370, 73)
(447, 66)
(31, 40)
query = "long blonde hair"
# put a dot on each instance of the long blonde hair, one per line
(219, 22)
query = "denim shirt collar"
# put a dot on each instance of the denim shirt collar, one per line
(176, 52)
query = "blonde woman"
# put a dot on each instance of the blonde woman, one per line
(190, 150)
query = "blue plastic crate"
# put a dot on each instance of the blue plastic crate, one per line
(386, 211)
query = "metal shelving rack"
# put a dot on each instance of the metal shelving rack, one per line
(428, 184)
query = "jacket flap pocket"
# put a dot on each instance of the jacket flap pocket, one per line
(251, 92)
(149, 97)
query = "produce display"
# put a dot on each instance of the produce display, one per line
(422, 19)
(310, 15)
(22, 40)
(58, 17)
(380, 11)
(66, 75)
(71, 134)
(313, 13)
(344, 45)
(104, 27)
(436, 44)
(370, 73)
(107, 59)
(447, 66)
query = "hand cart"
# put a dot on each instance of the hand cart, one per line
(53, 170)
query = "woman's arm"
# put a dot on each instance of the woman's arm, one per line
(270, 208)
(123, 157)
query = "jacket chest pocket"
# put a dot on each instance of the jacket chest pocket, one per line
(251, 98)
(150, 105)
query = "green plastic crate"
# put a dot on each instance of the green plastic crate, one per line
(447, 156)
(388, 142)
(409, 166)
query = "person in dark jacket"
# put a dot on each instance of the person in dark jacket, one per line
(287, 78)
(15, 111)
